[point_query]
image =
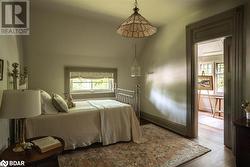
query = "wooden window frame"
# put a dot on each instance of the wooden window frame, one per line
(214, 74)
(69, 69)
(216, 78)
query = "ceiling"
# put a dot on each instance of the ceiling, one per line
(159, 12)
(211, 47)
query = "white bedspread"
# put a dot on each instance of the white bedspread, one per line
(118, 122)
(106, 121)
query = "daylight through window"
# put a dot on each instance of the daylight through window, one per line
(217, 71)
(91, 82)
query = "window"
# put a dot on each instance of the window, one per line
(217, 71)
(206, 68)
(219, 77)
(94, 82)
(90, 82)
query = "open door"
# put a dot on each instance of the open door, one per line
(232, 26)
(228, 114)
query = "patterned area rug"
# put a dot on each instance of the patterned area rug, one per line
(162, 148)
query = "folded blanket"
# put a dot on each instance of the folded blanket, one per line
(118, 122)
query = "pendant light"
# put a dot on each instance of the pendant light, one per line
(136, 26)
(135, 68)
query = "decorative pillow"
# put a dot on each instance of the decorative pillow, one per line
(69, 101)
(59, 103)
(46, 103)
(71, 104)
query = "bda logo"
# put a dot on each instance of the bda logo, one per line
(3, 163)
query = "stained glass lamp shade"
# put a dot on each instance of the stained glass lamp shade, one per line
(136, 26)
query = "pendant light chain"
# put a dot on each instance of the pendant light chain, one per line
(136, 3)
(135, 50)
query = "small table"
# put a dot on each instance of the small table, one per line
(34, 157)
(218, 99)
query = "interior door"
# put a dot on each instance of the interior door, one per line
(228, 94)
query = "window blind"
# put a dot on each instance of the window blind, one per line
(91, 75)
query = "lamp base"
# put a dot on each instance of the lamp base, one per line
(18, 148)
(21, 145)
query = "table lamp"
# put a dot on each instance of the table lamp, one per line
(20, 104)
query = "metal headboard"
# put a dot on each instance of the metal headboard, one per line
(131, 97)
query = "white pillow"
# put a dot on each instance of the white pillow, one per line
(59, 103)
(46, 103)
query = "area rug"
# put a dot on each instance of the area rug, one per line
(161, 148)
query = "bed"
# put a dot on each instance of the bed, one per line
(92, 121)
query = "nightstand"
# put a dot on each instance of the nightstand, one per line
(242, 142)
(34, 157)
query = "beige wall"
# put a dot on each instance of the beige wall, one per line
(164, 65)
(10, 52)
(59, 40)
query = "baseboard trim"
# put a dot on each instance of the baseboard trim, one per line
(177, 128)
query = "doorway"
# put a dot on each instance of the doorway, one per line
(210, 87)
(227, 24)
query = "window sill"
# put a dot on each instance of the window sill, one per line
(91, 92)
(86, 95)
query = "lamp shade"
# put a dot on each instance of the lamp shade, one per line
(136, 26)
(20, 104)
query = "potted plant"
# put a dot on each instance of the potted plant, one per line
(246, 107)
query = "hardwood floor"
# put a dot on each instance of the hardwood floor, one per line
(206, 118)
(219, 156)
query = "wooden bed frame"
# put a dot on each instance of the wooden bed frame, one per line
(131, 97)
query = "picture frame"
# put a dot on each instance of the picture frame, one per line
(1, 69)
(205, 82)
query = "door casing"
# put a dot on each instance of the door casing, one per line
(229, 23)
(228, 60)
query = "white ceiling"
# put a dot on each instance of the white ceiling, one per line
(158, 12)
(211, 47)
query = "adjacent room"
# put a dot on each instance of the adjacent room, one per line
(211, 86)
(120, 83)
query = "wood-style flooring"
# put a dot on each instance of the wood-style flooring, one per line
(220, 156)
(207, 118)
